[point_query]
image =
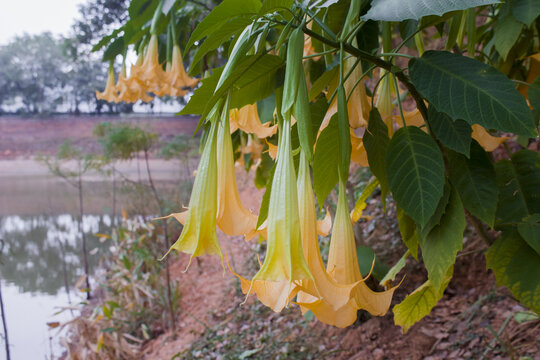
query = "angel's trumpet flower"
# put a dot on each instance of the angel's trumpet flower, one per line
(284, 264)
(151, 74)
(130, 90)
(177, 76)
(358, 104)
(247, 119)
(284, 256)
(322, 293)
(198, 236)
(485, 139)
(343, 266)
(109, 94)
(384, 100)
(358, 151)
(232, 217)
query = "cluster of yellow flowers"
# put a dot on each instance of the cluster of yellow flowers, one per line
(148, 77)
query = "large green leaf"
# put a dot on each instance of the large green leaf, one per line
(398, 10)
(269, 6)
(475, 180)
(220, 14)
(470, 90)
(322, 82)
(441, 245)
(529, 230)
(325, 163)
(198, 101)
(455, 135)
(519, 187)
(420, 302)
(534, 93)
(525, 10)
(517, 266)
(415, 172)
(376, 143)
(506, 33)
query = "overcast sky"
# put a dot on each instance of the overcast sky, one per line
(35, 16)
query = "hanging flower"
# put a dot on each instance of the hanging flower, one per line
(232, 217)
(130, 90)
(177, 77)
(320, 294)
(198, 236)
(247, 119)
(384, 101)
(358, 151)
(343, 267)
(151, 74)
(109, 94)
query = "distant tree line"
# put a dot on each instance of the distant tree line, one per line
(44, 74)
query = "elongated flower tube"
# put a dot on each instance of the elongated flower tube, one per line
(284, 256)
(177, 76)
(232, 217)
(247, 119)
(343, 265)
(384, 101)
(358, 151)
(151, 74)
(109, 94)
(322, 293)
(198, 236)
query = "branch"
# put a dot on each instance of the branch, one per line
(377, 61)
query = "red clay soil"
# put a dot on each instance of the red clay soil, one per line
(22, 137)
(212, 325)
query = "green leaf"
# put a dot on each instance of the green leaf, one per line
(114, 49)
(217, 38)
(516, 265)
(365, 260)
(519, 187)
(376, 143)
(325, 163)
(475, 180)
(198, 101)
(441, 245)
(470, 90)
(525, 11)
(529, 230)
(392, 273)
(420, 302)
(398, 10)
(455, 135)
(220, 14)
(415, 171)
(322, 82)
(436, 218)
(506, 33)
(409, 235)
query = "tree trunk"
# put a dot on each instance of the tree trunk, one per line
(6, 338)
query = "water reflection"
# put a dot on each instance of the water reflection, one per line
(36, 249)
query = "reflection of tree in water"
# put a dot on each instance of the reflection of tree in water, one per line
(33, 248)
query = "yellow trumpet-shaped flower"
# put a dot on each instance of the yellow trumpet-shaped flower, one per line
(412, 118)
(322, 293)
(284, 256)
(247, 119)
(109, 94)
(232, 217)
(198, 236)
(384, 101)
(177, 76)
(343, 267)
(130, 90)
(151, 74)
(488, 142)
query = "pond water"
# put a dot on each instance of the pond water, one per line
(40, 263)
(40, 257)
